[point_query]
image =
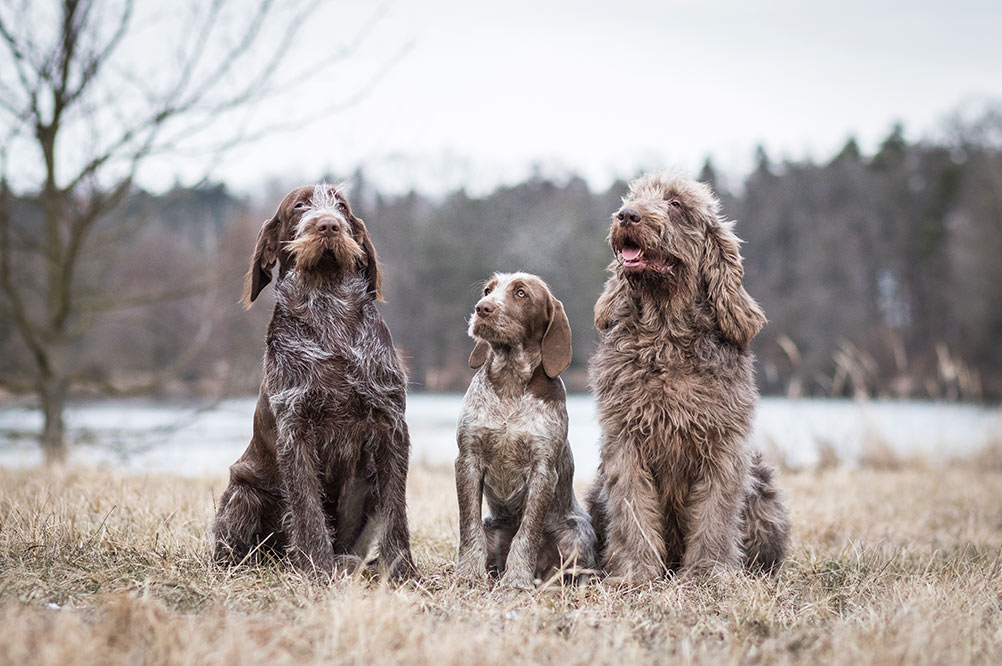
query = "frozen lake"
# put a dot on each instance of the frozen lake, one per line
(146, 436)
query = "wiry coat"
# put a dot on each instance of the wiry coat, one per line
(678, 484)
(325, 472)
(512, 438)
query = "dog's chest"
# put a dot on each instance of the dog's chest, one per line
(678, 405)
(333, 354)
(509, 435)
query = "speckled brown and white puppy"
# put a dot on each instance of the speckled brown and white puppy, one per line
(679, 486)
(513, 446)
(325, 473)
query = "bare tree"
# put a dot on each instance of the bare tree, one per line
(91, 92)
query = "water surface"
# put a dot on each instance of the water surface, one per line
(142, 435)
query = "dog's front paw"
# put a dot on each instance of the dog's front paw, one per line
(625, 575)
(469, 568)
(226, 555)
(630, 581)
(347, 564)
(320, 566)
(403, 569)
(471, 564)
(517, 580)
(708, 571)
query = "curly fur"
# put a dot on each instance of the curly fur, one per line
(679, 486)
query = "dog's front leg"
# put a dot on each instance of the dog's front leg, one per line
(635, 546)
(521, 565)
(471, 562)
(713, 541)
(309, 541)
(392, 463)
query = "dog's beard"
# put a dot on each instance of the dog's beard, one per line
(671, 291)
(493, 332)
(313, 252)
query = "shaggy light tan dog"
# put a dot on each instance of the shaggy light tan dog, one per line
(678, 485)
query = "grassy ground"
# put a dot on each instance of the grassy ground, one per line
(891, 564)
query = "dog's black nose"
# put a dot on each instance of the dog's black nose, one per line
(327, 227)
(485, 309)
(628, 216)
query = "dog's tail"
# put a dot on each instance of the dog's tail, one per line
(766, 520)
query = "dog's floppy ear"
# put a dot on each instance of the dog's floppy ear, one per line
(369, 264)
(738, 315)
(262, 260)
(556, 345)
(479, 355)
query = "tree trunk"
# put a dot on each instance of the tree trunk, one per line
(53, 396)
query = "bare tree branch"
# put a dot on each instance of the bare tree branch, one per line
(92, 67)
(72, 80)
(32, 337)
(152, 298)
(23, 66)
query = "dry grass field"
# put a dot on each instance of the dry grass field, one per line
(891, 563)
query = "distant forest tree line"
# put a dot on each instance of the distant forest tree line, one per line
(881, 274)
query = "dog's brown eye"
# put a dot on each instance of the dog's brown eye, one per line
(300, 206)
(487, 290)
(341, 206)
(676, 203)
(520, 293)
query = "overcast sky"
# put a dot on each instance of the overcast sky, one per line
(482, 91)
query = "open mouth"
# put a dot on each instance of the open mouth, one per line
(633, 256)
(635, 261)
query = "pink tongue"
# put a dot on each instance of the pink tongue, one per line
(631, 253)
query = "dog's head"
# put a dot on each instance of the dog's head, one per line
(670, 241)
(517, 310)
(313, 230)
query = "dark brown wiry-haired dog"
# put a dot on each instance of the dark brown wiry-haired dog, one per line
(326, 469)
(512, 438)
(679, 485)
